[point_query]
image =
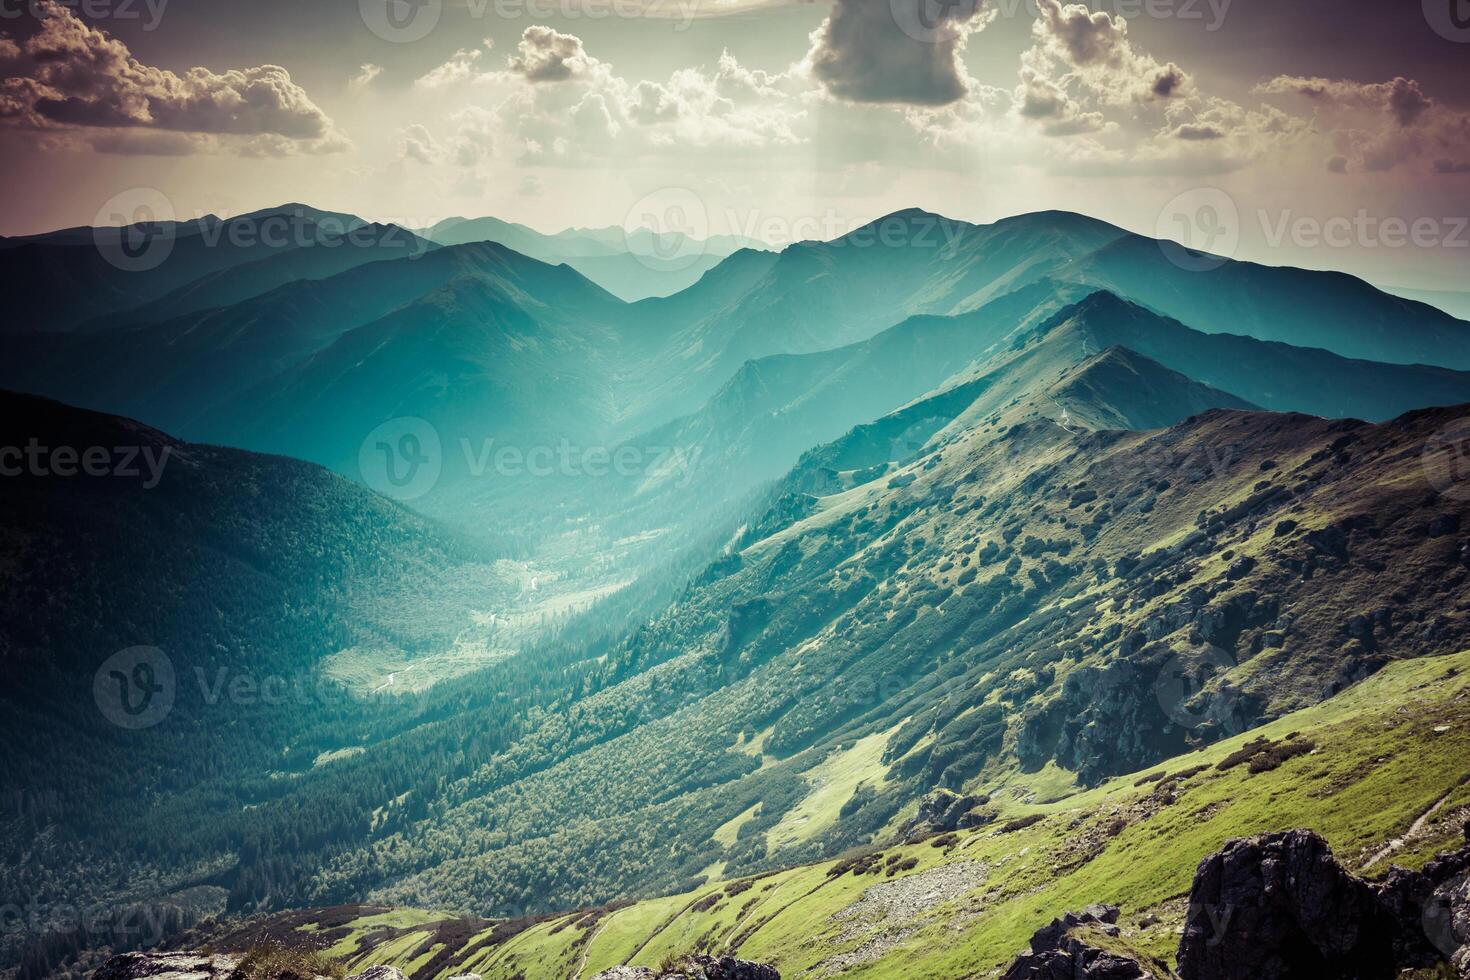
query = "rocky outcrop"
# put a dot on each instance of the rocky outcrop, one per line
(380, 973)
(942, 811)
(1061, 951)
(202, 966)
(1280, 907)
(167, 966)
(696, 968)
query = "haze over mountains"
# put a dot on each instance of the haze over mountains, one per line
(773, 558)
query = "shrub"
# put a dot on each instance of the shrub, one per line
(276, 962)
(1021, 823)
(1273, 757)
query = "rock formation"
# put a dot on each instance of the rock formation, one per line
(1061, 951)
(696, 968)
(167, 966)
(1280, 907)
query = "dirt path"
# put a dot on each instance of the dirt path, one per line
(1415, 829)
(587, 949)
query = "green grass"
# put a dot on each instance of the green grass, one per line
(1379, 764)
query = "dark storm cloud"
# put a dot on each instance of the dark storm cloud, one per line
(69, 74)
(903, 51)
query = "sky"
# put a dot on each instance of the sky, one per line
(1319, 133)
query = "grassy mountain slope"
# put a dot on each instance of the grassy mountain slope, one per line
(1009, 598)
(631, 267)
(191, 374)
(1274, 375)
(1380, 775)
(775, 408)
(817, 296)
(320, 258)
(63, 279)
(508, 347)
(247, 575)
(1327, 310)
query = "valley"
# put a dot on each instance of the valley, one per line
(1020, 514)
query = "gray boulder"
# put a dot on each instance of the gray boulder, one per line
(167, 966)
(1280, 907)
(697, 968)
(1060, 951)
(379, 973)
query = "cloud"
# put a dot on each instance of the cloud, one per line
(69, 75)
(545, 55)
(365, 76)
(1081, 37)
(1401, 99)
(556, 103)
(149, 142)
(1093, 50)
(1192, 131)
(896, 51)
(462, 65)
(1377, 126)
(417, 143)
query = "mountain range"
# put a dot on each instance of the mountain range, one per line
(1017, 511)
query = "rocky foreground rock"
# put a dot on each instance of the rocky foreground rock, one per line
(1060, 951)
(1280, 907)
(1276, 907)
(696, 968)
(167, 966)
(1293, 911)
(204, 966)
